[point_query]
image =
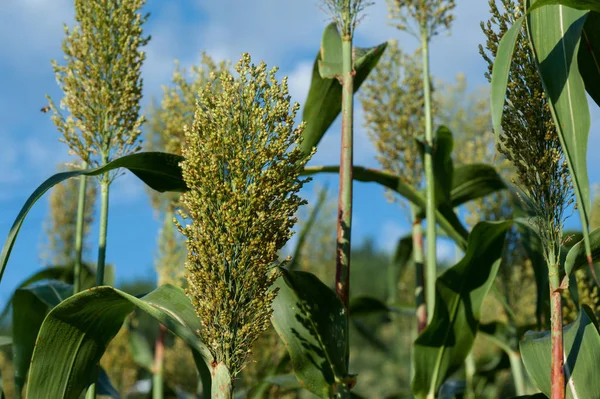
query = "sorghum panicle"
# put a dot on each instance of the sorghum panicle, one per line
(431, 15)
(101, 80)
(345, 13)
(529, 139)
(242, 165)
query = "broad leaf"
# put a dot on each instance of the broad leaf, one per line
(324, 101)
(443, 167)
(474, 181)
(288, 381)
(589, 55)
(140, 350)
(310, 319)
(445, 343)
(555, 33)
(577, 257)
(577, 4)
(446, 218)
(75, 334)
(500, 72)
(582, 350)
(30, 306)
(158, 170)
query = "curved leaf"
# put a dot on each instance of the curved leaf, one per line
(500, 71)
(158, 170)
(310, 319)
(555, 34)
(443, 167)
(445, 343)
(588, 56)
(577, 257)
(30, 306)
(324, 101)
(474, 181)
(446, 218)
(582, 356)
(75, 334)
(140, 350)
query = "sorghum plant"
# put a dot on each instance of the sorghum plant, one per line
(241, 166)
(394, 116)
(102, 85)
(425, 19)
(529, 140)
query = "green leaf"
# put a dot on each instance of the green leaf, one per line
(5, 341)
(291, 265)
(310, 319)
(577, 4)
(369, 335)
(324, 101)
(443, 166)
(105, 386)
(158, 170)
(30, 306)
(582, 350)
(500, 72)
(288, 381)
(221, 382)
(589, 56)
(474, 181)
(577, 257)
(538, 395)
(445, 343)
(446, 218)
(330, 63)
(555, 33)
(76, 332)
(366, 305)
(140, 350)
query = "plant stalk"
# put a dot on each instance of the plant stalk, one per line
(104, 185)
(417, 236)
(159, 357)
(79, 231)
(557, 370)
(516, 366)
(470, 374)
(431, 267)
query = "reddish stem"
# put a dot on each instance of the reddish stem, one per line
(557, 369)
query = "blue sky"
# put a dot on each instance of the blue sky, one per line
(285, 33)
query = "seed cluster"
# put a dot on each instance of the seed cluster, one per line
(242, 166)
(101, 80)
(528, 138)
(430, 16)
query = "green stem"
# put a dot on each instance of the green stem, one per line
(557, 369)
(469, 374)
(344, 221)
(159, 357)
(431, 268)
(104, 184)
(417, 236)
(79, 232)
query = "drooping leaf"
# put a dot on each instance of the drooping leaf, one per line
(31, 304)
(589, 56)
(555, 32)
(452, 227)
(330, 62)
(474, 181)
(445, 343)
(324, 101)
(309, 318)
(140, 350)
(288, 381)
(75, 334)
(158, 170)
(577, 257)
(582, 350)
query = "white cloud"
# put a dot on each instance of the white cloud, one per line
(299, 80)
